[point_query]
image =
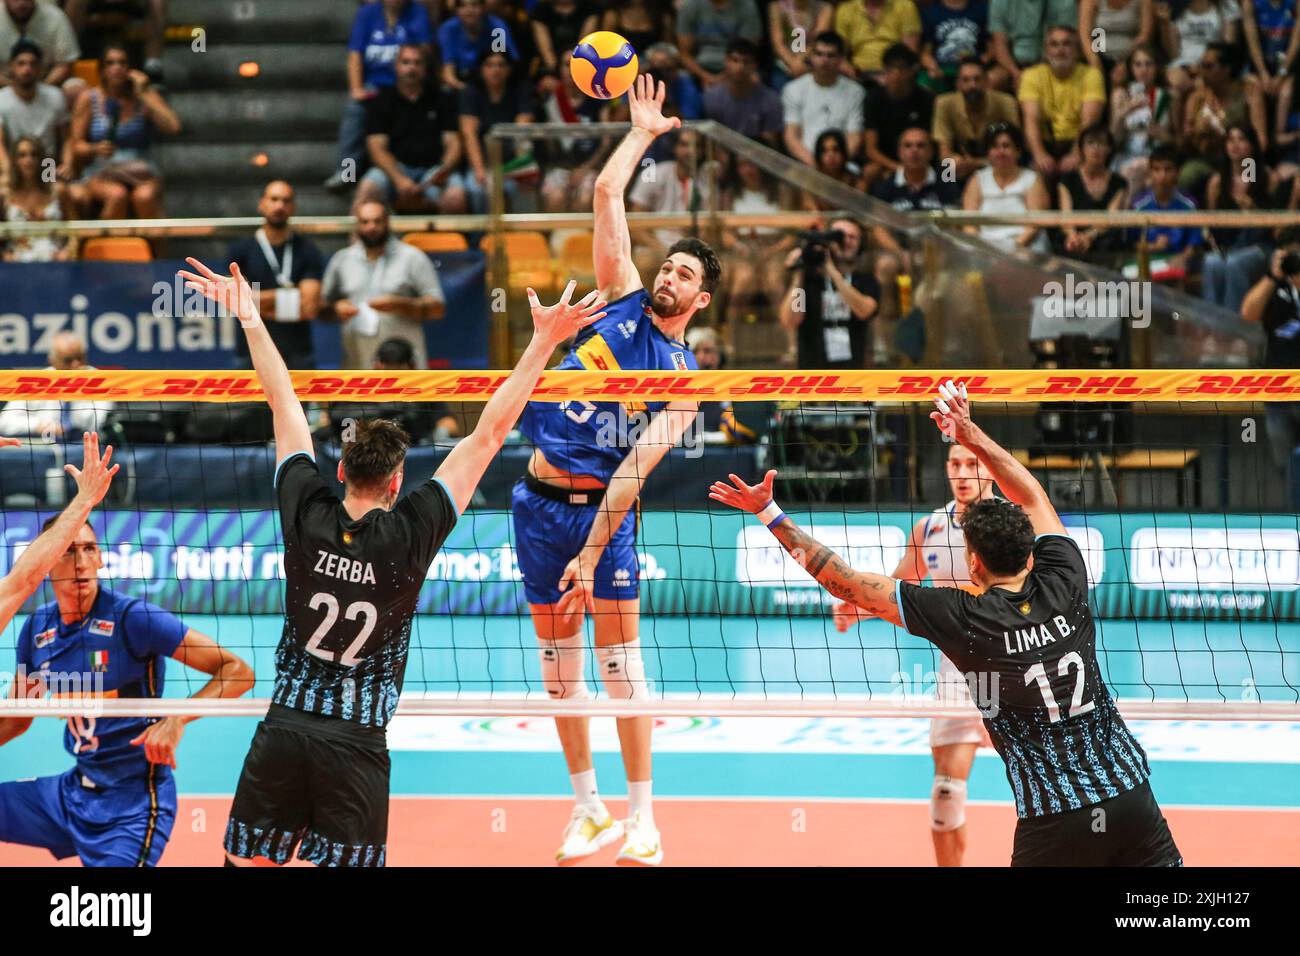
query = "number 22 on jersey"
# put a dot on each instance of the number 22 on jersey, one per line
(358, 610)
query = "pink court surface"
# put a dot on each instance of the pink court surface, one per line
(476, 831)
(729, 791)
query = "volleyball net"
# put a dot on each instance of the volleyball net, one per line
(1167, 479)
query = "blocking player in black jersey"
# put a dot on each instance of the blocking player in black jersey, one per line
(316, 775)
(1079, 776)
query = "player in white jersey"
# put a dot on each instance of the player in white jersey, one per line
(937, 549)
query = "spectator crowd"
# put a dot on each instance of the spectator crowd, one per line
(1013, 105)
(76, 143)
(1001, 106)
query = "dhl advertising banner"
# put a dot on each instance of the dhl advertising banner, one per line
(1161, 385)
(1147, 566)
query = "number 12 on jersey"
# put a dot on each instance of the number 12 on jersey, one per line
(1039, 673)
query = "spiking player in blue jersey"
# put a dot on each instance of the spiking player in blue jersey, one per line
(116, 806)
(316, 775)
(1071, 760)
(574, 534)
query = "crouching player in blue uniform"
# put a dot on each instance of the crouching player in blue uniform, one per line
(117, 805)
(575, 535)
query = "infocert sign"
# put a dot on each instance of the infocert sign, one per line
(1144, 565)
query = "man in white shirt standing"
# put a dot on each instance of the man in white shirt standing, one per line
(51, 420)
(822, 99)
(380, 288)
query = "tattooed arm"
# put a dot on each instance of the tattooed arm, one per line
(872, 592)
(911, 568)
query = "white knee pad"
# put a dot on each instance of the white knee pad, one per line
(622, 671)
(947, 803)
(563, 661)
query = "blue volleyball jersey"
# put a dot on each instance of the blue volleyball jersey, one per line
(593, 438)
(119, 649)
(1275, 21)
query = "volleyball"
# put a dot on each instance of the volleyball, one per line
(603, 65)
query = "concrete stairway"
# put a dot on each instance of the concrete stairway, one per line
(240, 131)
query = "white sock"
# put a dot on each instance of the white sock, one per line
(584, 789)
(638, 799)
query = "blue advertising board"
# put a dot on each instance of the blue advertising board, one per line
(139, 315)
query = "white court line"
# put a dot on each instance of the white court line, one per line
(1272, 742)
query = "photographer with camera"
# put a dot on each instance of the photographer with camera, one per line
(1274, 301)
(831, 297)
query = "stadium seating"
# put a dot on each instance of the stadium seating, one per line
(87, 71)
(117, 249)
(528, 258)
(576, 258)
(436, 241)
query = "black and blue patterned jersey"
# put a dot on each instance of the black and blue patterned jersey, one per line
(1037, 681)
(351, 587)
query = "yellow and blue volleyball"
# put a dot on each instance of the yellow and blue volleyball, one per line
(603, 65)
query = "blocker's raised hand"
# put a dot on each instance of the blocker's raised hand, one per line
(953, 415)
(751, 498)
(231, 292)
(558, 322)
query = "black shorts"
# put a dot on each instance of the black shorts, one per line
(1128, 830)
(325, 795)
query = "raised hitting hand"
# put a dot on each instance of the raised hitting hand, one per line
(555, 323)
(232, 292)
(646, 104)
